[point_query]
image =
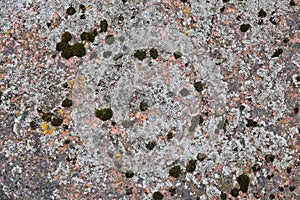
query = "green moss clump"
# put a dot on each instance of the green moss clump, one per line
(177, 55)
(104, 114)
(234, 192)
(78, 49)
(71, 10)
(67, 50)
(56, 121)
(153, 53)
(67, 103)
(151, 145)
(191, 166)
(157, 196)
(199, 86)
(244, 27)
(103, 25)
(89, 36)
(129, 174)
(140, 54)
(47, 116)
(243, 181)
(175, 171)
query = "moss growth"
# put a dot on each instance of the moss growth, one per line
(234, 192)
(78, 49)
(243, 181)
(104, 114)
(143, 106)
(244, 27)
(191, 166)
(71, 10)
(199, 86)
(157, 196)
(66, 37)
(129, 174)
(151, 145)
(103, 25)
(47, 116)
(89, 36)
(153, 53)
(67, 50)
(82, 7)
(277, 53)
(140, 54)
(67, 103)
(177, 54)
(56, 121)
(175, 171)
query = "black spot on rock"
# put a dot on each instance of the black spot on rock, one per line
(157, 195)
(292, 188)
(103, 25)
(175, 171)
(151, 145)
(288, 170)
(82, 16)
(262, 13)
(82, 7)
(285, 40)
(199, 86)
(56, 121)
(243, 181)
(47, 116)
(177, 54)
(225, 1)
(272, 196)
(71, 10)
(256, 167)
(245, 27)
(191, 166)
(172, 191)
(292, 3)
(140, 54)
(223, 195)
(144, 106)
(234, 192)
(104, 114)
(277, 53)
(270, 158)
(67, 103)
(33, 125)
(251, 123)
(129, 174)
(153, 53)
(222, 9)
(201, 156)
(129, 191)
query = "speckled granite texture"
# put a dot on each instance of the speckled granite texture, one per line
(132, 99)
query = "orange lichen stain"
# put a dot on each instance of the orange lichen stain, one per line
(89, 7)
(47, 128)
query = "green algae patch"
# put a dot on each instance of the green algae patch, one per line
(89, 36)
(243, 181)
(47, 116)
(104, 114)
(175, 171)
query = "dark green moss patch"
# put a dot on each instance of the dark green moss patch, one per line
(144, 106)
(277, 53)
(103, 26)
(47, 116)
(177, 55)
(201, 156)
(67, 103)
(175, 171)
(199, 86)
(251, 123)
(66, 37)
(140, 54)
(82, 7)
(191, 166)
(256, 167)
(243, 181)
(67, 50)
(270, 158)
(71, 10)
(56, 121)
(234, 192)
(262, 13)
(244, 27)
(89, 36)
(129, 174)
(153, 53)
(157, 195)
(104, 114)
(151, 145)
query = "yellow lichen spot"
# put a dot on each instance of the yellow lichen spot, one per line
(82, 82)
(89, 7)
(71, 84)
(17, 113)
(117, 156)
(60, 111)
(47, 128)
(186, 10)
(7, 32)
(186, 32)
